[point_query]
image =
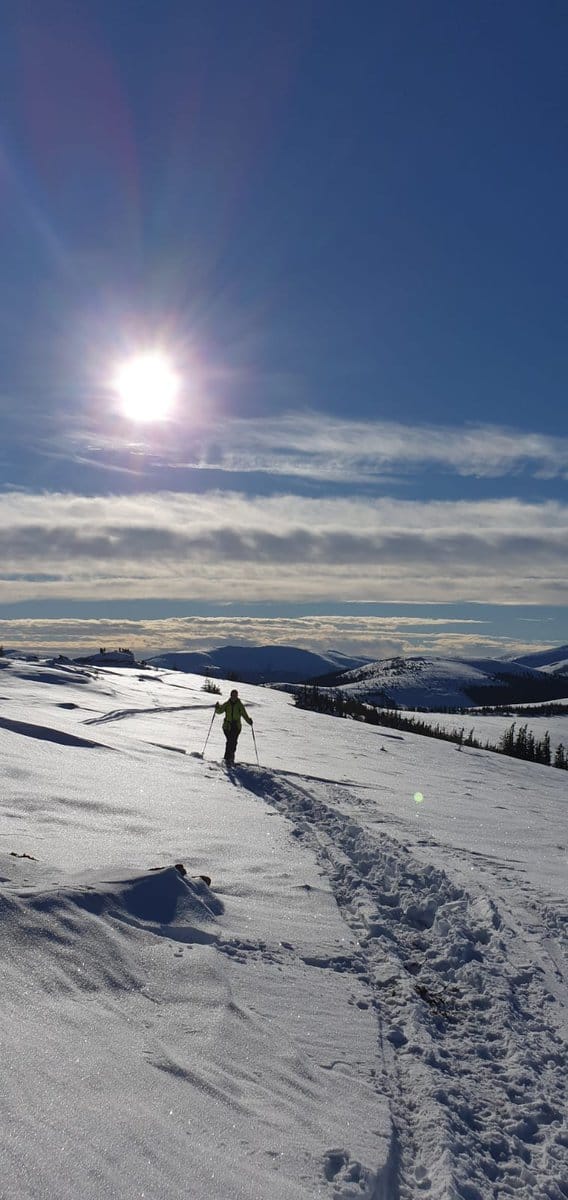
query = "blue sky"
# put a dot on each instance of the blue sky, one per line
(344, 227)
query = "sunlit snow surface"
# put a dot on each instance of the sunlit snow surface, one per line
(369, 1001)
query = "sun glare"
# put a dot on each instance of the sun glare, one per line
(147, 387)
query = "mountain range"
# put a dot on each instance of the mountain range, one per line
(436, 683)
(417, 681)
(259, 664)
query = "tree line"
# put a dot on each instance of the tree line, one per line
(516, 743)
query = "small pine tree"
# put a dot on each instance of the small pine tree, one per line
(560, 759)
(544, 749)
(507, 743)
(520, 750)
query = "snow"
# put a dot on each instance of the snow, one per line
(260, 664)
(491, 727)
(418, 681)
(433, 682)
(368, 1001)
(560, 668)
(553, 659)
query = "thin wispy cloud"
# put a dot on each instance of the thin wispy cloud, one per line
(313, 446)
(298, 444)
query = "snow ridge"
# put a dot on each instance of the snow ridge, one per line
(96, 933)
(449, 976)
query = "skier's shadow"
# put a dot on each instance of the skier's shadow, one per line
(250, 774)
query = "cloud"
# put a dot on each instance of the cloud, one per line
(375, 637)
(310, 446)
(227, 546)
(339, 449)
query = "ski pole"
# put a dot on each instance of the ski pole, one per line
(254, 740)
(208, 732)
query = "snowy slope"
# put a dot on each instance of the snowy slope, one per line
(490, 728)
(433, 682)
(559, 668)
(413, 681)
(258, 664)
(369, 1001)
(553, 660)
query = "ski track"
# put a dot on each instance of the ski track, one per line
(452, 980)
(121, 714)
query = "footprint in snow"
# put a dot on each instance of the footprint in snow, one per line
(343, 1171)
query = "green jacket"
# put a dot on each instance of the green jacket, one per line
(233, 710)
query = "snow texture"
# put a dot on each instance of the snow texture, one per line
(368, 1001)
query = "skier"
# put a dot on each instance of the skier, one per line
(234, 709)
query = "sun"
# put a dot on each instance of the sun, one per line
(147, 387)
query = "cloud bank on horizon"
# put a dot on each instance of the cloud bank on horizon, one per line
(372, 637)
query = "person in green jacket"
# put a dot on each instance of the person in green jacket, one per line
(234, 710)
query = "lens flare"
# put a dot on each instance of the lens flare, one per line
(418, 797)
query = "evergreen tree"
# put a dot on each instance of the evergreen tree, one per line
(507, 743)
(544, 745)
(520, 749)
(560, 759)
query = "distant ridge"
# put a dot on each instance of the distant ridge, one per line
(417, 681)
(436, 683)
(258, 664)
(554, 661)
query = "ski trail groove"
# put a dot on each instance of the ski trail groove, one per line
(452, 980)
(121, 714)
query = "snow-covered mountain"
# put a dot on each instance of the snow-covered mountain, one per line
(258, 664)
(432, 682)
(367, 999)
(554, 661)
